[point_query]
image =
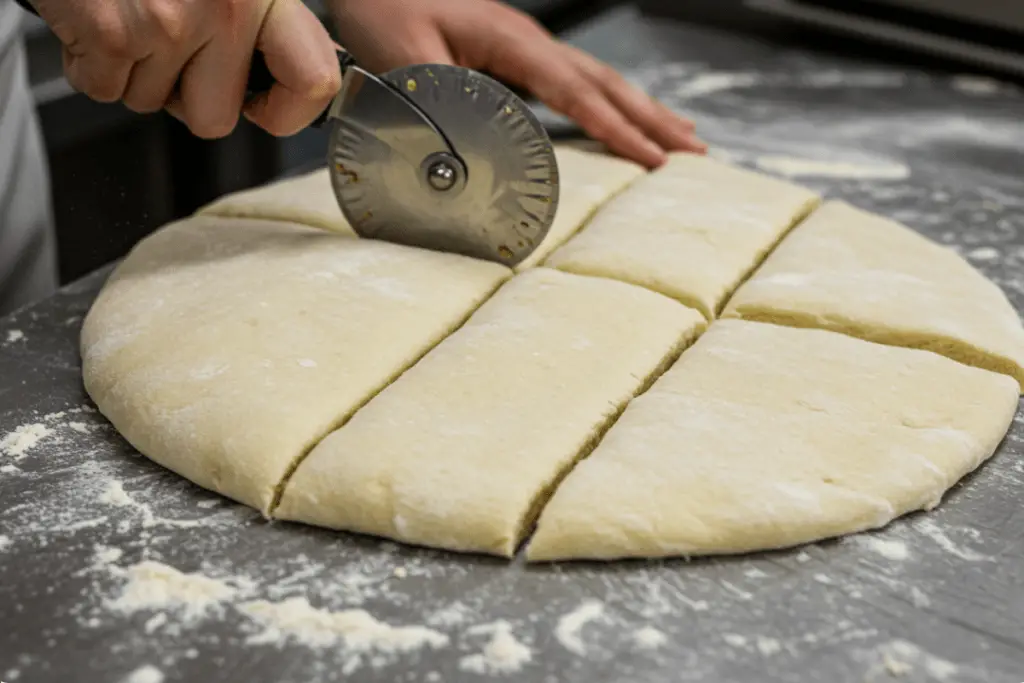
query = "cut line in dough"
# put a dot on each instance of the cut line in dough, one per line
(224, 349)
(461, 451)
(587, 181)
(692, 230)
(764, 437)
(853, 272)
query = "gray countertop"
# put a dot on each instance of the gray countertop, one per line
(936, 597)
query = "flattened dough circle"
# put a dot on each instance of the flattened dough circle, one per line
(263, 351)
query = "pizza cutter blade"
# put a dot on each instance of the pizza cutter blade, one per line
(444, 158)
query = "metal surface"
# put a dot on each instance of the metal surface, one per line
(932, 598)
(866, 26)
(998, 13)
(470, 172)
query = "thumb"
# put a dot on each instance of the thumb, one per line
(302, 58)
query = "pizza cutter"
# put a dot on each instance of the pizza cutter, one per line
(437, 156)
(442, 157)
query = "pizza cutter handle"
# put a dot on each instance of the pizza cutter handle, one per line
(261, 80)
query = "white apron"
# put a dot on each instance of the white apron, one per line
(28, 262)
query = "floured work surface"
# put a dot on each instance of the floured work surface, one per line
(930, 598)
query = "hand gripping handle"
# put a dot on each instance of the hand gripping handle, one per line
(260, 79)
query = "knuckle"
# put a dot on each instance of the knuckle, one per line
(169, 19)
(322, 82)
(583, 106)
(113, 37)
(233, 10)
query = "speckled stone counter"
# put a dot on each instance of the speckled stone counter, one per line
(112, 569)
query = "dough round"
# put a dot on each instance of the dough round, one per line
(589, 405)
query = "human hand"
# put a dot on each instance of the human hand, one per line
(192, 58)
(487, 35)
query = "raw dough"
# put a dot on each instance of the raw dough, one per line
(587, 181)
(850, 271)
(692, 230)
(307, 199)
(227, 348)
(462, 449)
(224, 349)
(766, 437)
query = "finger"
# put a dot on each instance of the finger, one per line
(301, 56)
(151, 83)
(671, 131)
(561, 85)
(99, 76)
(171, 40)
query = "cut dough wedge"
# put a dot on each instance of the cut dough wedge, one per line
(461, 450)
(587, 180)
(765, 437)
(847, 270)
(224, 349)
(691, 230)
(307, 200)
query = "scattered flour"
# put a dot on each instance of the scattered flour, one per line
(794, 167)
(713, 82)
(145, 674)
(768, 646)
(984, 254)
(502, 654)
(894, 666)
(355, 629)
(649, 638)
(976, 85)
(157, 586)
(571, 625)
(23, 439)
(450, 615)
(115, 494)
(891, 550)
(906, 656)
(5, 542)
(15, 336)
(933, 531)
(735, 639)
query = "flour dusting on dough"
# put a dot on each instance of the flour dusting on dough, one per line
(794, 167)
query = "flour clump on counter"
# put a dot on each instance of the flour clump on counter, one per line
(502, 654)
